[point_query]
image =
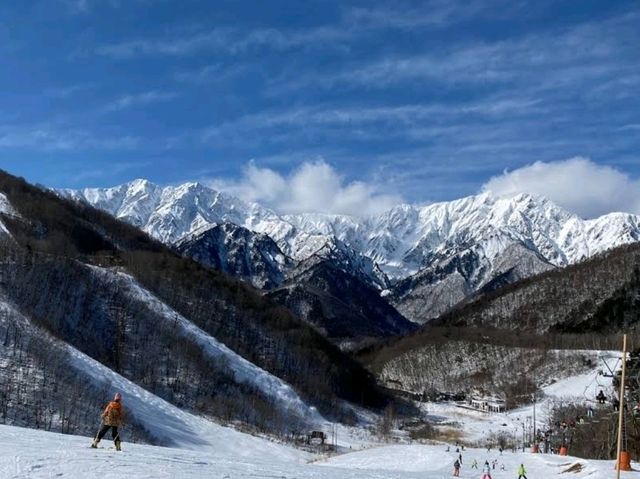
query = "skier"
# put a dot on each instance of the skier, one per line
(456, 468)
(486, 471)
(460, 458)
(521, 472)
(112, 418)
(601, 397)
(474, 465)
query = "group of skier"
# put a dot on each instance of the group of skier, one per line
(486, 469)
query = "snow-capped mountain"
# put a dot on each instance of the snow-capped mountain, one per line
(402, 240)
(459, 246)
(254, 257)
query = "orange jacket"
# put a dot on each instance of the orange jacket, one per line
(113, 414)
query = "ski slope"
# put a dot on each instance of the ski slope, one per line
(166, 423)
(204, 449)
(30, 454)
(244, 371)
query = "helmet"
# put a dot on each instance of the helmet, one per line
(117, 397)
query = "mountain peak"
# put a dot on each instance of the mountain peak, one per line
(401, 241)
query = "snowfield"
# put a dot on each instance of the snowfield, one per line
(25, 453)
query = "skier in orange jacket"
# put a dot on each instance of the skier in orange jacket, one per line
(112, 418)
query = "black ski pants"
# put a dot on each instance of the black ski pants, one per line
(114, 432)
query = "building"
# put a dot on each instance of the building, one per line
(488, 404)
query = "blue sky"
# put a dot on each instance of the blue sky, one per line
(421, 101)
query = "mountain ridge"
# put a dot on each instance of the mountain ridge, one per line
(482, 235)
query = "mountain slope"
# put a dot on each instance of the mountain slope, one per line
(342, 306)
(436, 289)
(239, 252)
(68, 268)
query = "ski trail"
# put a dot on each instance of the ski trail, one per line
(244, 371)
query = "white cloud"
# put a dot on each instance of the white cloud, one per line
(577, 184)
(140, 99)
(44, 137)
(314, 187)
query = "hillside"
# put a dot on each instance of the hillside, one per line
(598, 295)
(72, 275)
(504, 337)
(237, 251)
(342, 306)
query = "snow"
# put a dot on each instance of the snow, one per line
(5, 206)
(7, 210)
(30, 454)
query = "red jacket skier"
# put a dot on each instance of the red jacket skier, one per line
(112, 418)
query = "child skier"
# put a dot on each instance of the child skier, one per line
(456, 468)
(475, 464)
(112, 418)
(486, 471)
(521, 472)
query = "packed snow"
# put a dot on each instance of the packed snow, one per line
(30, 454)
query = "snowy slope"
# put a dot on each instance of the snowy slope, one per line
(163, 421)
(29, 454)
(7, 210)
(166, 422)
(244, 371)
